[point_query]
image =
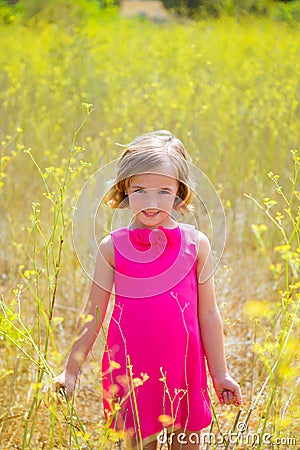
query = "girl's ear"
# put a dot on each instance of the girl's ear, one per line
(177, 201)
(125, 201)
(179, 206)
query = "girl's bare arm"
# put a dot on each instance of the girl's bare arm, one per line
(211, 327)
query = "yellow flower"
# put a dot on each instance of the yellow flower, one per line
(114, 365)
(166, 420)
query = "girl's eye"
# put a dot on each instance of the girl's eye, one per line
(141, 191)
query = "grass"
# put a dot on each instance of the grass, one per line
(230, 91)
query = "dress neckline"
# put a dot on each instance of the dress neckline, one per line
(160, 235)
(160, 227)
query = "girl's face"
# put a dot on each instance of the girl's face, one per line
(151, 199)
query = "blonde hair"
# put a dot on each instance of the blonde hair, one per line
(145, 154)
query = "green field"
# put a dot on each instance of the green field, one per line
(230, 91)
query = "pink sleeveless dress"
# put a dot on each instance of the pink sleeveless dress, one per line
(154, 327)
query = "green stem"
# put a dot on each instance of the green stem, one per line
(140, 444)
(266, 211)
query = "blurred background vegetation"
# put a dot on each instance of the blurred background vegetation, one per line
(285, 10)
(223, 76)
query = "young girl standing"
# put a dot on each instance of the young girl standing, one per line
(165, 321)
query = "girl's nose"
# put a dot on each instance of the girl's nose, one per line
(152, 200)
(152, 203)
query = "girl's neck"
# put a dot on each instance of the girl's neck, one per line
(166, 224)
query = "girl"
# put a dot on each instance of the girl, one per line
(165, 320)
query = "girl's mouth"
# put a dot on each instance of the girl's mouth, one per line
(150, 214)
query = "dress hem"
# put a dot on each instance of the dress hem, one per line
(170, 428)
(154, 436)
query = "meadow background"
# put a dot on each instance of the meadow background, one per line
(75, 80)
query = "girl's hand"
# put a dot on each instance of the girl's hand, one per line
(227, 390)
(66, 382)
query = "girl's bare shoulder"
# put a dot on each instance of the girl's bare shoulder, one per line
(203, 245)
(106, 248)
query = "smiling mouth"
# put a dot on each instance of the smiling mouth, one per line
(150, 214)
